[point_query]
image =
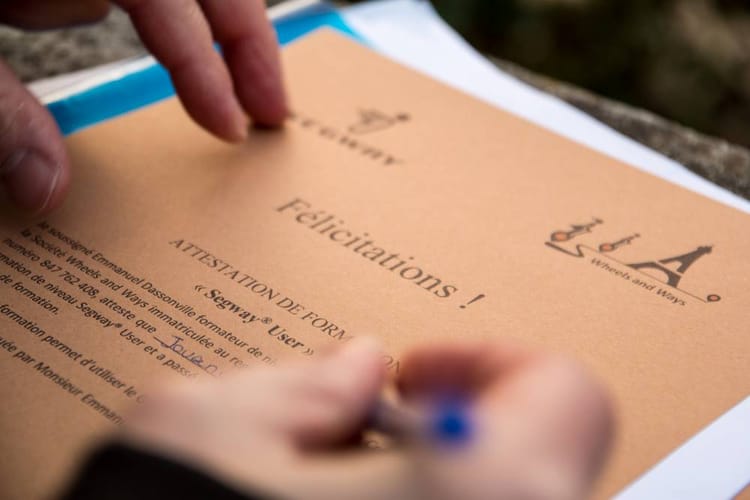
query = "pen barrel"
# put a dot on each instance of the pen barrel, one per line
(397, 422)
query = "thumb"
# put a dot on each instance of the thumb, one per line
(34, 166)
(336, 395)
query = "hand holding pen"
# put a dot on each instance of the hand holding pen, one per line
(472, 421)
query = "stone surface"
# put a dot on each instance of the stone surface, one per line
(38, 55)
(725, 164)
(42, 54)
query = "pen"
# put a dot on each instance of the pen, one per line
(445, 423)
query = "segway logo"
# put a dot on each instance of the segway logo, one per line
(667, 271)
(357, 137)
(372, 120)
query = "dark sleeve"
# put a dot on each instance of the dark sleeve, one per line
(119, 472)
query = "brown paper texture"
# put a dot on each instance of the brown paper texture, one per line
(389, 206)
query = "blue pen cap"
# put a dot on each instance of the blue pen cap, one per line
(451, 423)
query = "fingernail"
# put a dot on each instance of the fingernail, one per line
(29, 180)
(360, 348)
(240, 128)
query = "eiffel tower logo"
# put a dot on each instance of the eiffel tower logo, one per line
(674, 275)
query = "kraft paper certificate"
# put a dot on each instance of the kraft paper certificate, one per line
(389, 206)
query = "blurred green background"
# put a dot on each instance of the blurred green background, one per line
(687, 60)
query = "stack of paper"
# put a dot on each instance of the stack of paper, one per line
(711, 464)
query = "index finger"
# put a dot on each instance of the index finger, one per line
(178, 35)
(459, 368)
(250, 48)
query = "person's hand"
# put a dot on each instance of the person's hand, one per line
(34, 167)
(542, 426)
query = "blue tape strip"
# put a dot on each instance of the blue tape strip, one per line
(153, 84)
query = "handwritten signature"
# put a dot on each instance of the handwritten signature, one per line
(193, 357)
